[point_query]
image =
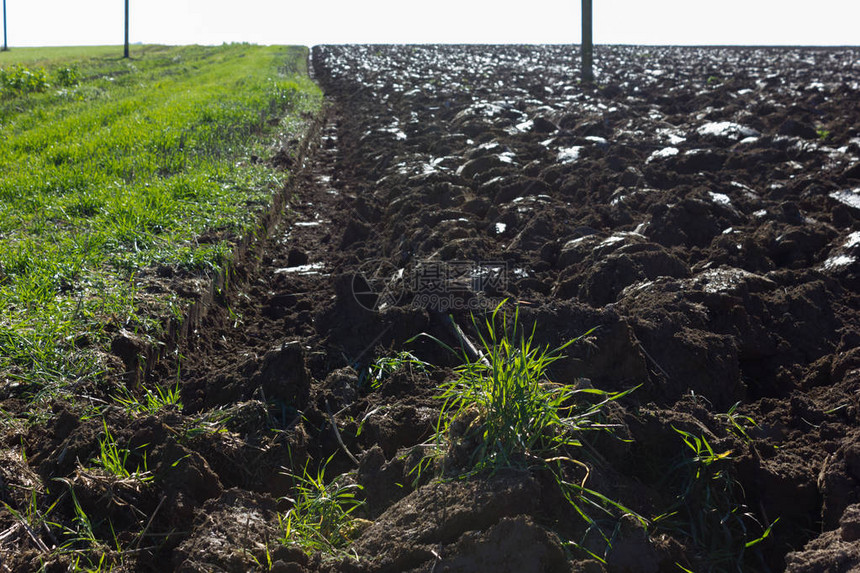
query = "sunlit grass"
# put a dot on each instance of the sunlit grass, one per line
(320, 518)
(122, 165)
(502, 411)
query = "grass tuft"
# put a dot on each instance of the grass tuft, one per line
(384, 366)
(708, 511)
(321, 516)
(114, 459)
(151, 402)
(505, 411)
(502, 411)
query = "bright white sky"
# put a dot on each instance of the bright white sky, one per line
(309, 22)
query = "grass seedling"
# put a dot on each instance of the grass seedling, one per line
(383, 367)
(90, 554)
(151, 402)
(509, 409)
(31, 518)
(82, 530)
(320, 519)
(502, 411)
(738, 424)
(113, 459)
(704, 455)
(708, 511)
(210, 422)
(102, 566)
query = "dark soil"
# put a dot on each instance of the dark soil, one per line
(699, 206)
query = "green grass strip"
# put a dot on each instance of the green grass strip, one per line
(111, 166)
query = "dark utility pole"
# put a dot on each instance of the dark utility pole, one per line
(5, 44)
(587, 44)
(125, 53)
